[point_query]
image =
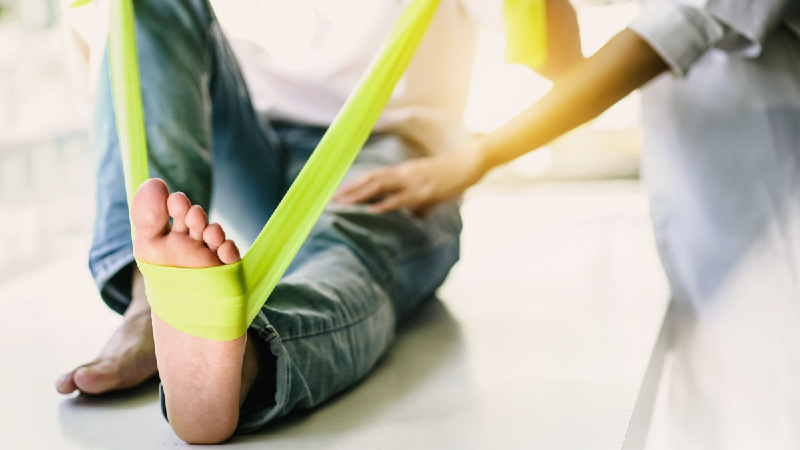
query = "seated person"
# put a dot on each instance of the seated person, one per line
(230, 126)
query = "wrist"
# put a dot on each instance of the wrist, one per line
(481, 157)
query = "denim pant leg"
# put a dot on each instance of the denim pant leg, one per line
(202, 131)
(334, 313)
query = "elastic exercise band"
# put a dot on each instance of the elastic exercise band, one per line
(219, 303)
(526, 32)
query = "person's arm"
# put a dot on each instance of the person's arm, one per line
(563, 40)
(583, 92)
(667, 34)
(587, 89)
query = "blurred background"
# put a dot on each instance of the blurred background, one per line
(45, 166)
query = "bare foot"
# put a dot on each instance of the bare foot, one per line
(202, 379)
(127, 360)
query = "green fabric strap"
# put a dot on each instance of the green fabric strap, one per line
(219, 303)
(526, 32)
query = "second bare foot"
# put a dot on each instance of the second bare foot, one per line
(126, 361)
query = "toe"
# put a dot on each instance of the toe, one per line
(197, 221)
(228, 253)
(65, 384)
(178, 206)
(214, 236)
(149, 209)
(96, 378)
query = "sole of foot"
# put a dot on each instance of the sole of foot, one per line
(202, 379)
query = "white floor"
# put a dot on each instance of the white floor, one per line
(540, 341)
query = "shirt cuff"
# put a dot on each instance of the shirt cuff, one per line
(680, 34)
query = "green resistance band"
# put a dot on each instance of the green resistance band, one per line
(526, 32)
(219, 303)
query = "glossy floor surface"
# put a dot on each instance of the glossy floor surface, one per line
(539, 340)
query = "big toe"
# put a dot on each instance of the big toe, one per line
(96, 378)
(149, 209)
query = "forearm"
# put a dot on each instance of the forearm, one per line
(587, 89)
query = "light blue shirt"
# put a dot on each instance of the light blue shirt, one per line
(721, 162)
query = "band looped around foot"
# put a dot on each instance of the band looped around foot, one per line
(211, 303)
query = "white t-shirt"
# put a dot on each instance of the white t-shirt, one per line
(302, 58)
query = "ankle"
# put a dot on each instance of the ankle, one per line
(139, 305)
(250, 370)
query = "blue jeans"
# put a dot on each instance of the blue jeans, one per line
(335, 311)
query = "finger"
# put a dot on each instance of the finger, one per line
(362, 193)
(355, 190)
(346, 189)
(386, 185)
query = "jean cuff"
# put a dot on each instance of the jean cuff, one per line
(266, 403)
(113, 275)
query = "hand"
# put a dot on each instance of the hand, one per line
(419, 184)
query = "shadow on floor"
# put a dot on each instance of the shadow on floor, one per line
(428, 342)
(98, 421)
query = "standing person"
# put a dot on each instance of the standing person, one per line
(233, 126)
(721, 163)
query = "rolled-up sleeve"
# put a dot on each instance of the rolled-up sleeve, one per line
(681, 33)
